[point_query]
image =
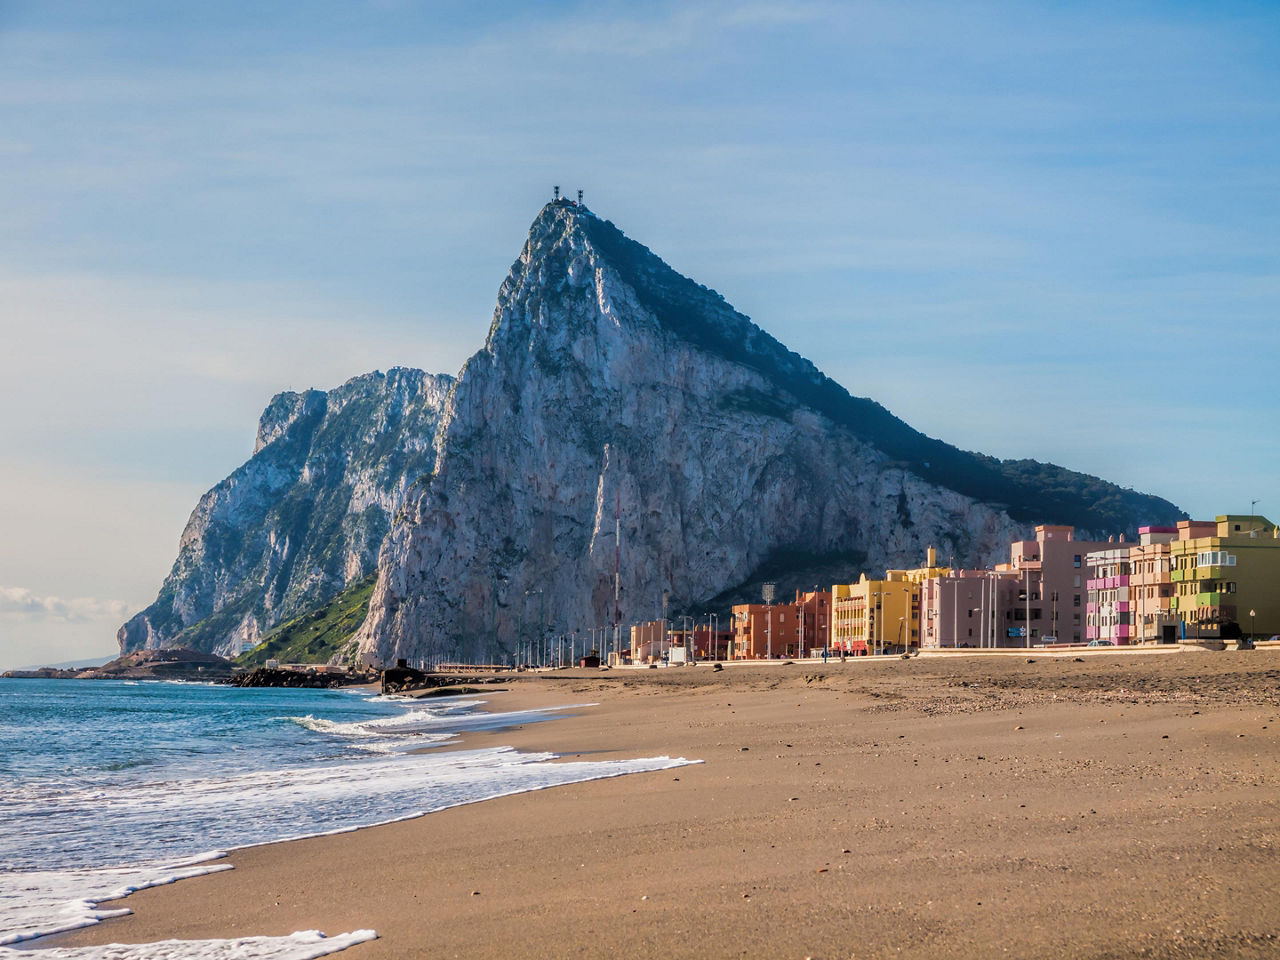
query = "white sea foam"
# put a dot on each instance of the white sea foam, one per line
(43, 902)
(436, 722)
(305, 945)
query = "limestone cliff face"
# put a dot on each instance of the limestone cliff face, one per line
(302, 518)
(609, 383)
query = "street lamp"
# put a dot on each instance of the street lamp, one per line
(1252, 614)
(767, 593)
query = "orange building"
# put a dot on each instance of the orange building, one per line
(761, 631)
(782, 630)
(813, 620)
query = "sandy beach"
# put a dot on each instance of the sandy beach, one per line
(1122, 806)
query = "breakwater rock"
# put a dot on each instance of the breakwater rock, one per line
(265, 677)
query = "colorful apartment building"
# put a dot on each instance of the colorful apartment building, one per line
(1053, 598)
(813, 620)
(1129, 590)
(764, 631)
(1151, 590)
(1037, 597)
(967, 608)
(874, 616)
(782, 630)
(1226, 581)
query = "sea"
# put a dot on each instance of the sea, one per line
(108, 787)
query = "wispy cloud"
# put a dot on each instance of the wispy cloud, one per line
(23, 604)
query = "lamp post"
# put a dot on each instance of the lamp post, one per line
(1027, 625)
(878, 640)
(1252, 613)
(767, 592)
(666, 599)
(541, 619)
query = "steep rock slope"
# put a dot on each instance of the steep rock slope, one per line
(610, 383)
(303, 518)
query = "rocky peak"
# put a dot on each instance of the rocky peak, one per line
(284, 411)
(303, 518)
(608, 378)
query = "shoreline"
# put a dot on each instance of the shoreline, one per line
(746, 852)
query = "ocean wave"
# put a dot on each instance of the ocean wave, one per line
(437, 723)
(130, 820)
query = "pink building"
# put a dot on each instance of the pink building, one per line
(966, 608)
(1037, 597)
(1130, 587)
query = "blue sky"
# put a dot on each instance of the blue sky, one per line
(1031, 229)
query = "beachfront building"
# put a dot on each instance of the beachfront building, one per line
(705, 642)
(968, 608)
(764, 631)
(1107, 603)
(1054, 591)
(1151, 590)
(872, 616)
(1038, 597)
(1130, 592)
(650, 641)
(813, 620)
(1227, 582)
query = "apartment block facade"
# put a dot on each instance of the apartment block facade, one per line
(1129, 590)
(1225, 582)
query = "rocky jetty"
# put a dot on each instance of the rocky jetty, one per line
(310, 679)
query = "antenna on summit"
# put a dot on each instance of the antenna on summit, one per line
(579, 198)
(555, 192)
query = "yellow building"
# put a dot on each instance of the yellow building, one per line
(873, 616)
(1228, 584)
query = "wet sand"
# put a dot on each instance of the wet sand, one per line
(967, 807)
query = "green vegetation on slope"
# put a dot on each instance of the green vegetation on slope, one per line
(317, 635)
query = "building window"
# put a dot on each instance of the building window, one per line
(1075, 561)
(1075, 601)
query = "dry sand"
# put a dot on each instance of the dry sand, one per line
(972, 807)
